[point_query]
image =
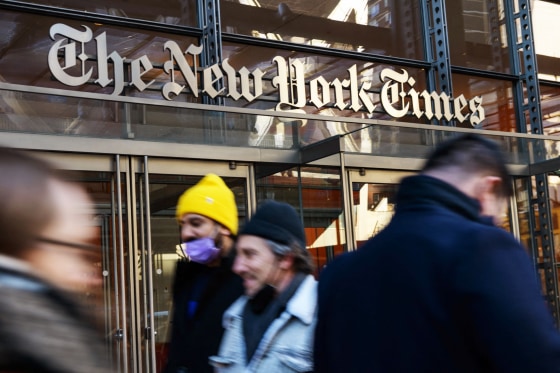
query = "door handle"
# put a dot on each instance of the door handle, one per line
(119, 334)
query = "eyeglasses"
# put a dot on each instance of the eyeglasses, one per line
(73, 245)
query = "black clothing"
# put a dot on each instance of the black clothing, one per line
(201, 294)
(440, 289)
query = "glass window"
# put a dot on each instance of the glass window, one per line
(71, 116)
(175, 12)
(373, 209)
(325, 85)
(319, 194)
(496, 105)
(546, 28)
(319, 84)
(554, 195)
(384, 27)
(477, 37)
(550, 108)
(77, 50)
(523, 210)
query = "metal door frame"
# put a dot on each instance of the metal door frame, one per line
(144, 166)
(124, 170)
(111, 165)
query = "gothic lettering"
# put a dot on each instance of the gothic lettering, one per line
(189, 74)
(68, 63)
(68, 47)
(478, 115)
(139, 67)
(103, 67)
(290, 83)
(319, 92)
(392, 92)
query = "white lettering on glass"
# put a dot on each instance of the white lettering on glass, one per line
(70, 65)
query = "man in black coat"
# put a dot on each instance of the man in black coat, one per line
(442, 288)
(204, 285)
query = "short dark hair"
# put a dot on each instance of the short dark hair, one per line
(27, 206)
(473, 154)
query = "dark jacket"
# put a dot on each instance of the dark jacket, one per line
(439, 290)
(195, 338)
(42, 329)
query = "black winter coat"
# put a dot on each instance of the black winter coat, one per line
(440, 289)
(196, 338)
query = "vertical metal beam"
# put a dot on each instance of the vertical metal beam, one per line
(428, 47)
(211, 40)
(122, 332)
(526, 88)
(133, 275)
(148, 278)
(346, 201)
(251, 186)
(527, 97)
(436, 41)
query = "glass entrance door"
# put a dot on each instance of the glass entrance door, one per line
(135, 201)
(99, 175)
(159, 183)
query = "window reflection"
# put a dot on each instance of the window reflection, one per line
(545, 16)
(374, 207)
(554, 196)
(174, 12)
(320, 197)
(550, 107)
(277, 132)
(374, 26)
(477, 36)
(497, 100)
(25, 50)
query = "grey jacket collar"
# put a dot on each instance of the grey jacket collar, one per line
(302, 305)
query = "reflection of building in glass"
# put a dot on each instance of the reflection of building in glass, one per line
(373, 209)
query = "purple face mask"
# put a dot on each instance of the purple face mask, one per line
(202, 250)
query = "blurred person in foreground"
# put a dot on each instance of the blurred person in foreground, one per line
(270, 328)
(442, 287)
(204, 284)
(45, 236)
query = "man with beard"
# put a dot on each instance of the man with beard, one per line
(204, 282)
(270, 328)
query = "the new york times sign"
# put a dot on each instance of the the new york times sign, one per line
(397, 96)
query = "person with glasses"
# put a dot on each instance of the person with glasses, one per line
(45, 237)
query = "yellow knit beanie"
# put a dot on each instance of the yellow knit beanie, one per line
(212, 198)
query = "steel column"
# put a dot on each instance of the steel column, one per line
(211, 41)
(436, 44)
(527, 96)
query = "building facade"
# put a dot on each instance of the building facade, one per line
(324, 104)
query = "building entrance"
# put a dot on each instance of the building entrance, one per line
(135, 200)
